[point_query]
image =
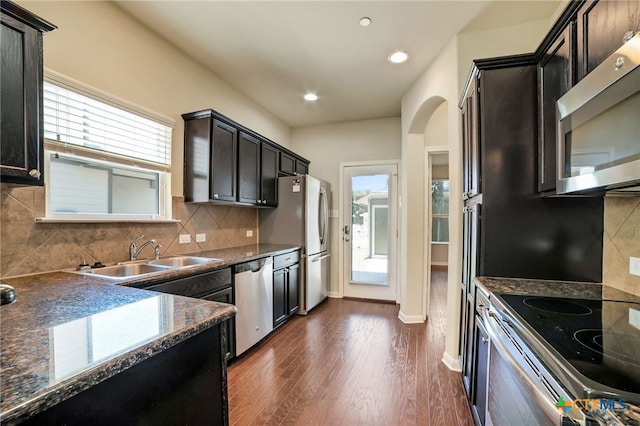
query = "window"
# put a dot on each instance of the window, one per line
(104, 159)
(440, 211)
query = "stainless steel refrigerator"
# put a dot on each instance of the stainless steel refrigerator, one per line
(302, 218)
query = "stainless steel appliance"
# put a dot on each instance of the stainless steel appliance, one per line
(302, 218)
(599, 126)
(254, 300)
(562, 361)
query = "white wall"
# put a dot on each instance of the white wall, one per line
(329, 145)
(444, 81)
(100, 45)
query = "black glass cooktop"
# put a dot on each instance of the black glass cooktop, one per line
(599, 338)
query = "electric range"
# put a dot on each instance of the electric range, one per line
(597, 340)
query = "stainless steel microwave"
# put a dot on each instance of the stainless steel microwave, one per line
(599, 126)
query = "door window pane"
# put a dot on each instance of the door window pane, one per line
(370, 229)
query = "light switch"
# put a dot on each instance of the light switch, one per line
(201, 238)
(184, 239)
(249, 233)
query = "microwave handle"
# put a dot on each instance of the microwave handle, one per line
(538, 390)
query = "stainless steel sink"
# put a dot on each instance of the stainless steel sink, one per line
(145, 267)
(181, 261)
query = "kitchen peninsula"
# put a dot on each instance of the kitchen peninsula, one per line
(77, 347)
(84, 348)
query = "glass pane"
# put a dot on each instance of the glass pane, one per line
(369, 229)
(440, 230)
(440, 196)
(82, 186)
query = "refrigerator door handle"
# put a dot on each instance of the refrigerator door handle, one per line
(318, 258)
(323, 207)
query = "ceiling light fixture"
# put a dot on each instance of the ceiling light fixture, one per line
(398, 57)
(311, 97)
(365, 22)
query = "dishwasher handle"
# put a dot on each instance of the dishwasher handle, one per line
(253, 266)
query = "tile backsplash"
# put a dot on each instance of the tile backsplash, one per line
(621, 241)
(28, 247)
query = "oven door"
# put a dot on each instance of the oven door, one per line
(519, 393)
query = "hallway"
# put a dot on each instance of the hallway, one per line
(351, 363)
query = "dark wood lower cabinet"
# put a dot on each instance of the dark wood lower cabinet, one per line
(286, 278)
(185, 384)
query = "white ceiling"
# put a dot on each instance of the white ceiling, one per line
(275, 51)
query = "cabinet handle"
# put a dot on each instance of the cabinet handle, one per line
(215, 195)
(34, 173)
(619, 62)
(628, 36)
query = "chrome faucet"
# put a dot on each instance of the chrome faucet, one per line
(135, 251)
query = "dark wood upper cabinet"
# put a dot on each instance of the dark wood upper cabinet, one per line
(291, 165)
(602, 28)
(287, 164)
(269, 165)
(249, 169)
(470, 141)
(228, 163)
(210, 156)
(556, 75)
(21, 119)
(257, 171)
(302, 167)
(224, 145)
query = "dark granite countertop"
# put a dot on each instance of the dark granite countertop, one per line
(571, 289)
(67, 332)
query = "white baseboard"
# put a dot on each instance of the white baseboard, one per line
(410, 319)
(334, 295)
(452, 363)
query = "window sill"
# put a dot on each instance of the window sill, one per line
(103, 220)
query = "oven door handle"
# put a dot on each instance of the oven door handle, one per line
(498, 338)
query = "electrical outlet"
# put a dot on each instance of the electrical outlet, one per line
(634, 266)
(249, 233)
(201, 238)
(185, 239)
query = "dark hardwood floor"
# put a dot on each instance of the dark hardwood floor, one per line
(351, 363)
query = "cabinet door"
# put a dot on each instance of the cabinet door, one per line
(279, 296)
(302, 168)
(248, 169)
(224, 147)
(228, 329)
(602, 27)
(468, 365)
(292, 289)
(471, 147)
(287, 164)
(482, 372)
(555, 77)
(269, 175)
(21, 103)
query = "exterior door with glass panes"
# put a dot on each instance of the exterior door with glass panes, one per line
(369, 231)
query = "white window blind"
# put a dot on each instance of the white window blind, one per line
(73, 118)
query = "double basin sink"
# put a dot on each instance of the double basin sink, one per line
(145, 267)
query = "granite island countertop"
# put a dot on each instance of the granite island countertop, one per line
(67, 332)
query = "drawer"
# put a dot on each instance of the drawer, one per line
(197, 285)
(282, 260)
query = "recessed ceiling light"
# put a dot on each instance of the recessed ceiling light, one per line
(311, 97)
(398, 57)
(365, 22)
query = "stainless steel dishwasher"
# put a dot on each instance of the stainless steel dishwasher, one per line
(254, 300)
